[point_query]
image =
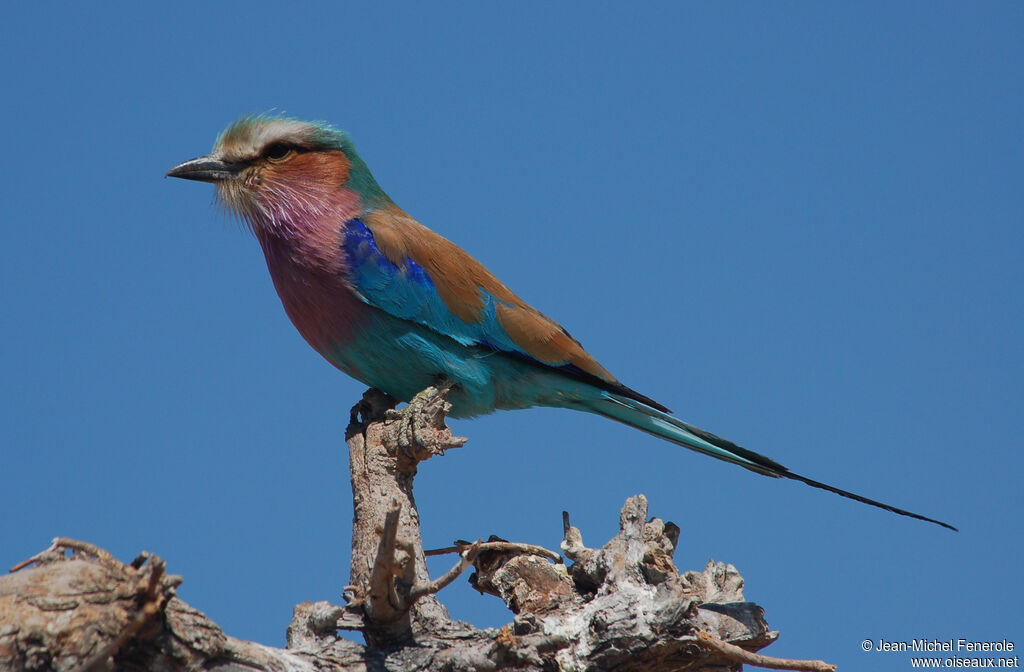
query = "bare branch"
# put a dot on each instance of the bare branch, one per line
(60, 544)
(736, 654)
(501, 546)
(465, 562)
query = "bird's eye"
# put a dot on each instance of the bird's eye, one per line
(278, 151)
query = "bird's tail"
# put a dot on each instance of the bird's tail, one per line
(651, 420)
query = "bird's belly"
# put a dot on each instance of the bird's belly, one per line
(402, 358)
(394, 355)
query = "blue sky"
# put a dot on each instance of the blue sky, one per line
(798, 225)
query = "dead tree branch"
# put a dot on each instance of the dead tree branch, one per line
(739, 655)
(623, 606)
(465, 562)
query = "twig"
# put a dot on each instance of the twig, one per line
(35, 558)
(465, 561)
(738, 655)
(500, 546)
(443, 551)
(71, 544)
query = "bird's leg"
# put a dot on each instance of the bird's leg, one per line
(425, 411)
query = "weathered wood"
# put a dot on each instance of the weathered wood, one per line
(384, 450)
(623, 606)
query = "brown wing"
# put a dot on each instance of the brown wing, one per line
(461, 280)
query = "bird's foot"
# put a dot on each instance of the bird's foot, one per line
(421, 428)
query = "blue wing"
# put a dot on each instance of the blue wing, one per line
(408, 292)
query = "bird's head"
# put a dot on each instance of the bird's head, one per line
(278, 172)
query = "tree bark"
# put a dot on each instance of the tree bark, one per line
(623, 606)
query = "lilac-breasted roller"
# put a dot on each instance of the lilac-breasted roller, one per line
(396, 306)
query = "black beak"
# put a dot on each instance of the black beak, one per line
(205, 169)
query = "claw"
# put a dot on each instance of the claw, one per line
(421, 429)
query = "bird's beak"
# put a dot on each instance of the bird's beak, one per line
(205, 169)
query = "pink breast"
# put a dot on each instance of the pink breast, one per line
(317, 299)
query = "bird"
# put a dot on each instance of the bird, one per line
(398, 307)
